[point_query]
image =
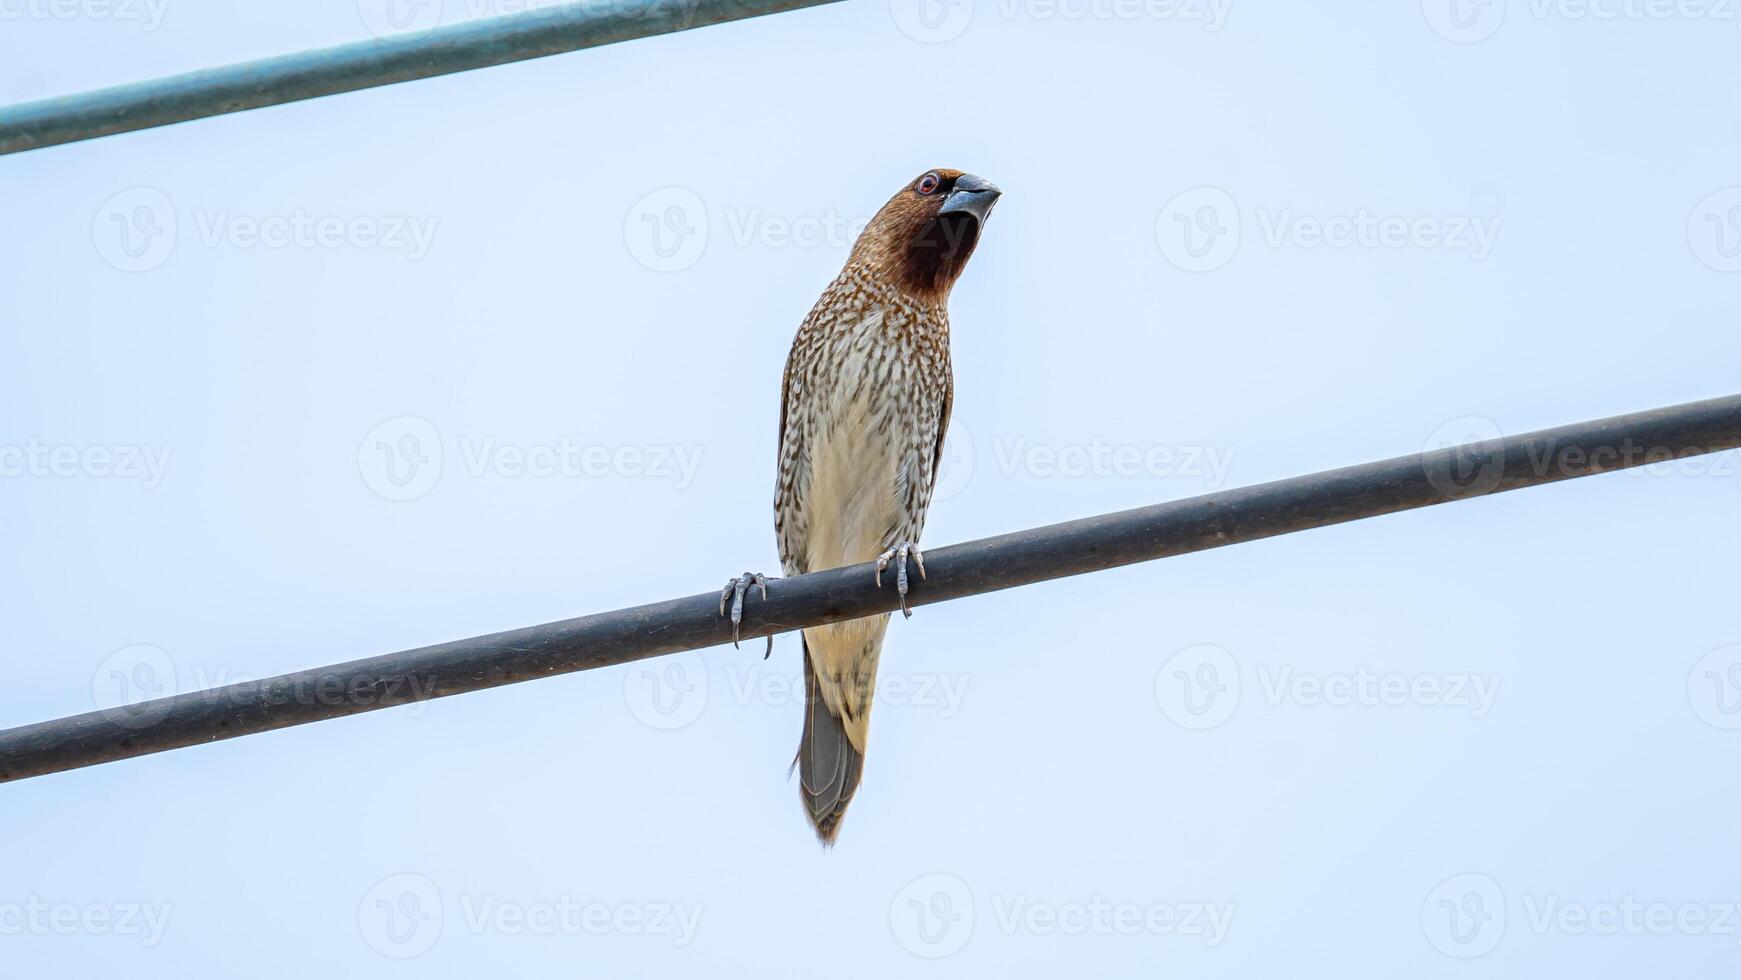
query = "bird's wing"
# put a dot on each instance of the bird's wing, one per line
(788, 503)
(942, 425)
(785, 400)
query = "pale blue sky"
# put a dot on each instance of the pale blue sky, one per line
(273, 315)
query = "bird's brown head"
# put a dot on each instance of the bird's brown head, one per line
(921, 240)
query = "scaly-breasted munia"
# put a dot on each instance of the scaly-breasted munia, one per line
(865, 406)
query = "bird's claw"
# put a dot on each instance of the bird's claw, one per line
(734, 591)
(898, 555)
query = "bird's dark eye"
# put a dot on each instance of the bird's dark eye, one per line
(928, 183)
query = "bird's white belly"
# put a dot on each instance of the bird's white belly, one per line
(854, 511)
(854, 492)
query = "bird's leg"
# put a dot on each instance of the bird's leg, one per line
(734, 590)
(898, 554)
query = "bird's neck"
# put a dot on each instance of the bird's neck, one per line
(896, 291)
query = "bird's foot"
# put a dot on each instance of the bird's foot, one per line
(898, 555)
(734, 592)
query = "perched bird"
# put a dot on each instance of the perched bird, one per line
(864, 409)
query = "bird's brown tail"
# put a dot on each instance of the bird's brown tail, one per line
(828, 765)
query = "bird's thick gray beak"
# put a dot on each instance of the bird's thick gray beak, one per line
(971, 195)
